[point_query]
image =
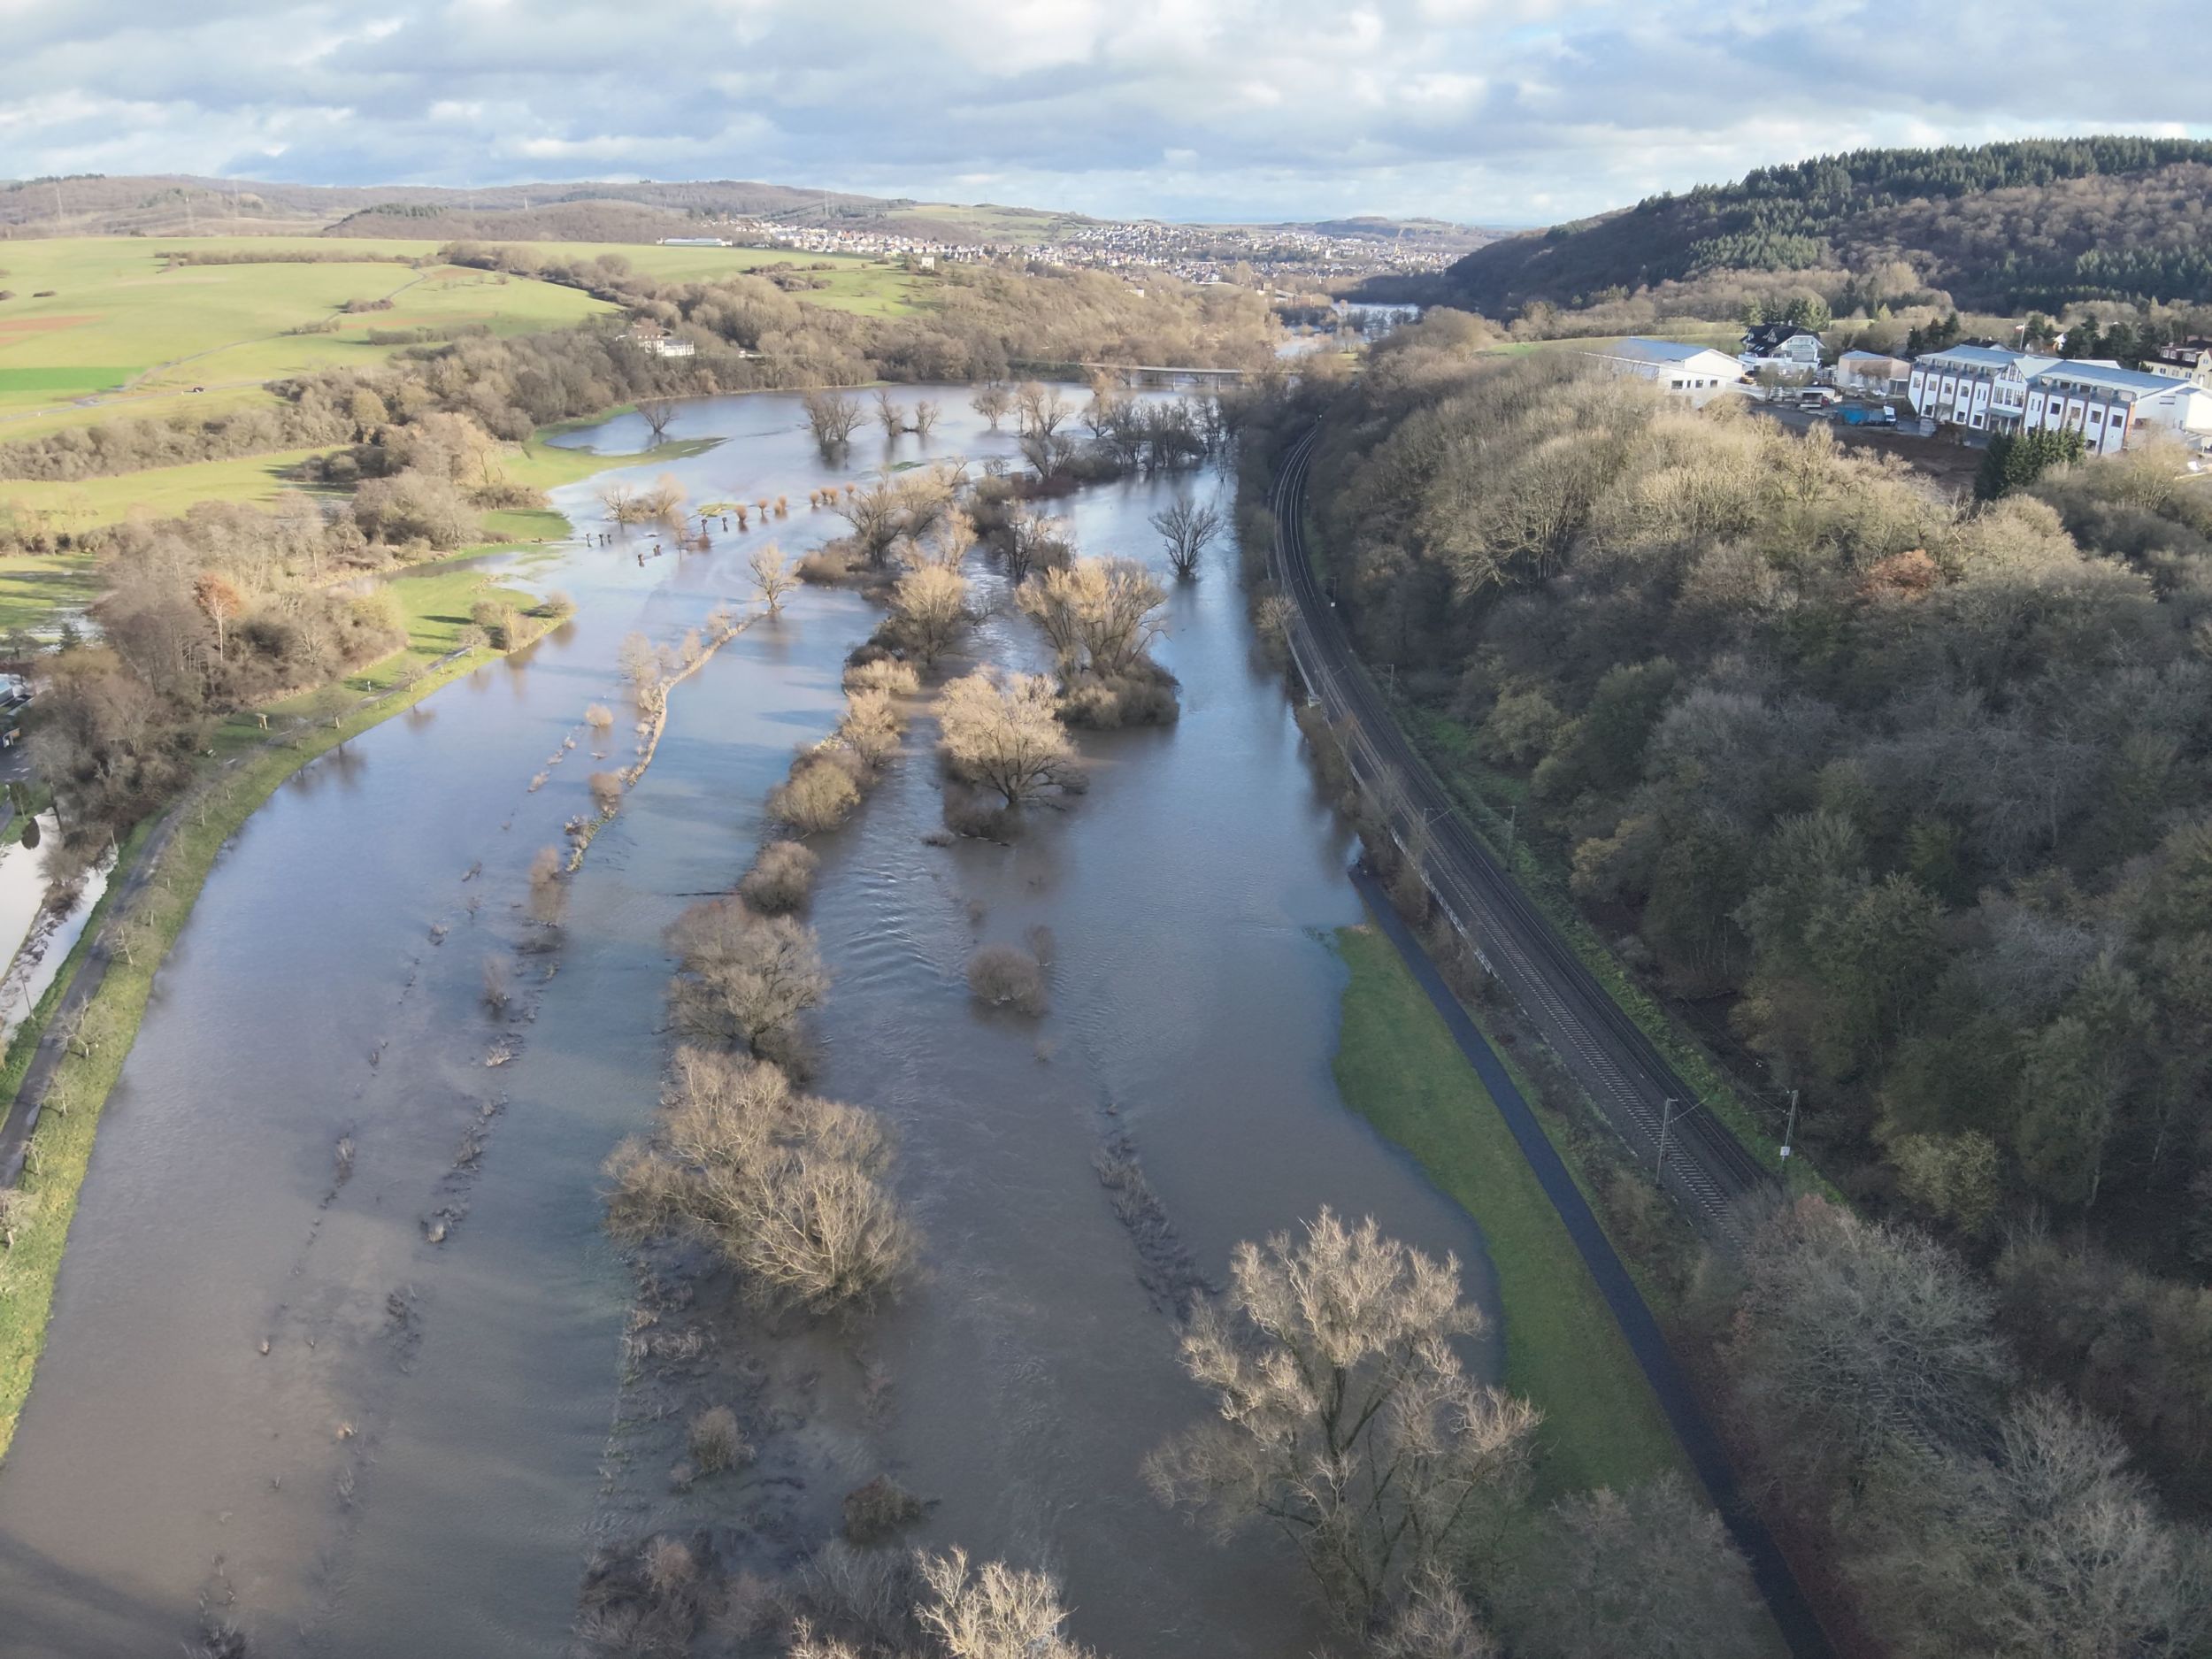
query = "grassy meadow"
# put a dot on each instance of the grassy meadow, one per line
(108, 319)
(1398, 1067)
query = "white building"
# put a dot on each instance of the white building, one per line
(1873, 372)
(2111, 406)
(1988, 388)
(1697, 372)
(1983, 388)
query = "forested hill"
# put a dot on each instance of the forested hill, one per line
(2035, 223)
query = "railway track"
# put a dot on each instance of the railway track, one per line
(1697, 1159)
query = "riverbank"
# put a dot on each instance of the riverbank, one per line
(1399, 1069)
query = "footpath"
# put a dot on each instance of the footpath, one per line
(1700, 1442)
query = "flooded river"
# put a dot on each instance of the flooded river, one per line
(337, 1347)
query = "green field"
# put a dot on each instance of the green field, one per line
(160, 492)
(35, 586)
(1399, 1067)
(115, 315)
(136, 338)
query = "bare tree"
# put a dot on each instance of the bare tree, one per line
(1035, 540)
(1346, 1421)
(930, 606)
(656, 412)
(1042, 411)
(878, 518)
(995, 1612)
(1098, 614)
(1187, 527)
(832, 416)
(774, 576)
(991, 400)
(925, 419)
(640, 663)
(548, 894)
(872, 724)
(1004, 732)
(1854, 1337)
(1049, 452)
(1650, 1572)
(743, 978)
(888, 414)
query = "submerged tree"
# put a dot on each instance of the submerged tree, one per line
(772, 574)
(788, 1188)
(1189, 528)
(1003, 731)
(1346, 1420)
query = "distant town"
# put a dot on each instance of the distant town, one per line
(1194, 253)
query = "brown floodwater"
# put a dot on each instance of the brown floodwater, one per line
(421, 1462)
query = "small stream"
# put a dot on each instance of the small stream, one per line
(326, 1143)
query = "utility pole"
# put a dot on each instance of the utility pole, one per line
(1789, 1132)
(1666, 1118)
(1512, 823)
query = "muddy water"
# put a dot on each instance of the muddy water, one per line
(418, 1463)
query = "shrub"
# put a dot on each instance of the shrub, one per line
(606, 790)
(877, 1510)
(599, 717)
(495, 983)
(885, 674)
(983, 817)
(819, 796)
(788, 1188)
(1007, 976)
(715, 1443)
(871, 727)
(781, 878)
(1145, 695)
(828, 565)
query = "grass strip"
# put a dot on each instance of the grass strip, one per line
(1398, 1067)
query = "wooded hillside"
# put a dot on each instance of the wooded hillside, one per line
(1914, 798)
(2002, 227)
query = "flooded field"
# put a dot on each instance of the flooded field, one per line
(339, 1346)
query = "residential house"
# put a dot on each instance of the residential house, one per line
(1783, 347)
(1696, 373)
(2186, 360)
(1874, 372)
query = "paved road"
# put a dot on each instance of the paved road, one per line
(1704, 1166)
(1669, 1386)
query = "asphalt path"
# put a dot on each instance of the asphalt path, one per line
(1696, 1157)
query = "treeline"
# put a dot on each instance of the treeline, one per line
(1920, 794)
(2037, 222)
(978, 322)
(232, 605)
(748, 333)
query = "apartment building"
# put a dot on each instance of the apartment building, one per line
(1988, 388)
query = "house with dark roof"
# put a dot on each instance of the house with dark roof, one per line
(1783, 346)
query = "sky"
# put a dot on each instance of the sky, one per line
(1486, 111)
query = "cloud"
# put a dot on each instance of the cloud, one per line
(1488, 111)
